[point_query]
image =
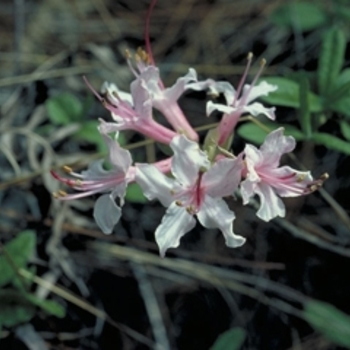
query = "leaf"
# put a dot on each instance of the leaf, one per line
(287, 94)
(50, 306)
(89, 132)
(329, 321)
(300, 15)
(14, 308)
(345, 129)
(342, 106)
(331, 60)
(257, 135)
(20, 249)
(342, 87)
(64, 109)
(134, 194)
(304, 112)
(331, 142)
(231, 339)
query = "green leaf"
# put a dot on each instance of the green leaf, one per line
(331, 142)
(89, 132)
(341, 106)
(20, 249)
(50, 306)
(257, 135)
(287, 94)
(345, 129)
(329, 321)
(134, 194)
(331, 60)
(300, 15)
(14, 308)
(304, 112)
(64, 109)
(342, 87)
(231, 339)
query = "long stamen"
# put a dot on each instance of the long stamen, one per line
(92, 89)
(261, 68)
(244, 77)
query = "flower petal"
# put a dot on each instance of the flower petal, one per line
(112, 90)
(275, 145)
(215, 213)
(257, 108)
(263, 89)
(211, 107)
(119, 157)
(223, 177)
(155, 184)
(106, 213)
(270, 204)
(173, 93)
(141, 98)
(187, 160)
(175, 223)
(225, 88)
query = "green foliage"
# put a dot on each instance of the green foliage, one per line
(64, 108)
(329, 321)
(331, 60)
(231, 339)
(331, 142)
(17, 305)
(345, 129)
(14, 308)
(304, 111)
(301, 15)
(256, 134)
(134, 194)
(20, 249)
(288, 94)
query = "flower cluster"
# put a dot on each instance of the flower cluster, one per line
(195, 180)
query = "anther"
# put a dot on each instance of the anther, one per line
(67, 169)
(178, 203)
(127, 54)
(262, 62)
(250, 56)
(61, 193)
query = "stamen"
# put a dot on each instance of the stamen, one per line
(178, 203)
(244, 77)
(127, 54)
(301, 177)
(67, 169)
(62, 193)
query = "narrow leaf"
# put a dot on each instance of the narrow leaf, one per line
(331, 60)
(287, 95)
(345, 129)
(257, 135)
(331, 142)
(304, 111)
(50, 306)
(329, 321)
(302, 16)
(231, 339)
(341, 106)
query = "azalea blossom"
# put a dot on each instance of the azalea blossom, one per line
(197, 189)
(269, 181)
(96, 179)
(240, 101)
(132, 111)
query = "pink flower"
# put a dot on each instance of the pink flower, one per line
(98, 180)
(132, 111)
(240, 101)
(197, 189)
(265, 178)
